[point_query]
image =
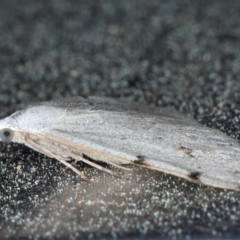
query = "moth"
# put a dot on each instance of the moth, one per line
(120, 133)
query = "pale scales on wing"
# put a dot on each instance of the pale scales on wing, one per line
(120, 133)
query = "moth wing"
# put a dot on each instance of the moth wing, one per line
(113, 131)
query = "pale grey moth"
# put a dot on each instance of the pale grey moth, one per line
(119, 133)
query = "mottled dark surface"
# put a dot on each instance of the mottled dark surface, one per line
(184, 54)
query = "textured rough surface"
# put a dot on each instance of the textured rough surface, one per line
(183, 54)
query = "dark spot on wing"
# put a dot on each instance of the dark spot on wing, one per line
(186, 150)
(195, 175)
(85, 95)
(140, 159)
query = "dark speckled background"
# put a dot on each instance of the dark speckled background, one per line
(184, 54)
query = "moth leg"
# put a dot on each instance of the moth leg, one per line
(64, 162)
(80, 158)
(54, 146)
(49, 153)
(36, 143)
(47, 143)
(108, 162)
(117, 166)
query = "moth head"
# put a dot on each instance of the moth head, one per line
(8, 130)
(6, 134)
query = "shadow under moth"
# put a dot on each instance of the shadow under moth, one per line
(119, 133)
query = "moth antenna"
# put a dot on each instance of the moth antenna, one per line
(72, 168)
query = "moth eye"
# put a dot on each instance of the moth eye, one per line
(6, 135)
